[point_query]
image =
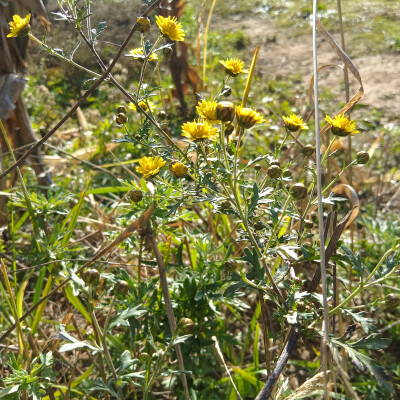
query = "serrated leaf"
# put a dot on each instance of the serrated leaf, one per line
(254, 200)
(121, 319)
(232, 289)
(372, 342)
(365, 322)
(363, 362)
(181, 339)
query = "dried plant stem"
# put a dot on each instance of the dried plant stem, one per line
(221, 357)
(324, 352)
(168, 307)
(205, 41)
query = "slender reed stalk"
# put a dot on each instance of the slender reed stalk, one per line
(324, 353)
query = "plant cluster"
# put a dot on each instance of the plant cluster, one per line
(207, 278)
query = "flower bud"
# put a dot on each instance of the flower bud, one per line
(287, 173)
(226, 205)
(225, 111)
(162, 115)
(229, 128)
(257, 167)
(226, 91)
(121, 119)
(362, 157)
(392, 301)
(308, 150)
(136, 196)
(122, 288)
(121, 109)
(258, 226)
(91, 276)
(167, 53)
(230, 265)
(186, 325)
(275, 162)
(298, 191)
(274, 171)
(144, 24)
(308, 223)
(178, 169)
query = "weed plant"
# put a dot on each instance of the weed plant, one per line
(187, 263)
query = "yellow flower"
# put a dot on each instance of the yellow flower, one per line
(19, 26)
(294, 123)
(233, 66)
(178, 169)
(170, 27)
(341, 125)
(247, 117)
(206, 109)
(150, 166)
(146, 106)
(138, 54)
(199, 130)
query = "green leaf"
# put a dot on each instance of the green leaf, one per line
(372, 342)
(232, 289)
(132, 312)
(365, 322)
(10, 393)
(254, 201)
(363, 362)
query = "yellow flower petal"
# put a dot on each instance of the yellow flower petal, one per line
(170, 27)
(199, 130)
(19, 26)
(149, 166)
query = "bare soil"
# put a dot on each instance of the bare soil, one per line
(282, 54)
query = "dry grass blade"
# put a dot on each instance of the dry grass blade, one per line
(309, 387)
(349, 64)
(137, 225)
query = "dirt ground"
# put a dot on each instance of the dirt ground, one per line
(282, 53)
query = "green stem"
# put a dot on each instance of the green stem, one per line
(364, 284)
(58, 55)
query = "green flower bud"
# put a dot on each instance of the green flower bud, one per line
(136, 196)
(225, 111)
(258, 226)
(186, 325)
(121, 119)
(162, 115)
(274, 171)
(392, 301)
(91, 276)
(226, 205)
(226, 91)
(121, 109)
(230, 265)
(298, 191)
(144, 24)
(308, 224)
(229, 128)
(308, 150)
(122, 288)
(287, 173)
(362, 157)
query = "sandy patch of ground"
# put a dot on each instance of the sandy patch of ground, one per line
(282, 54)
